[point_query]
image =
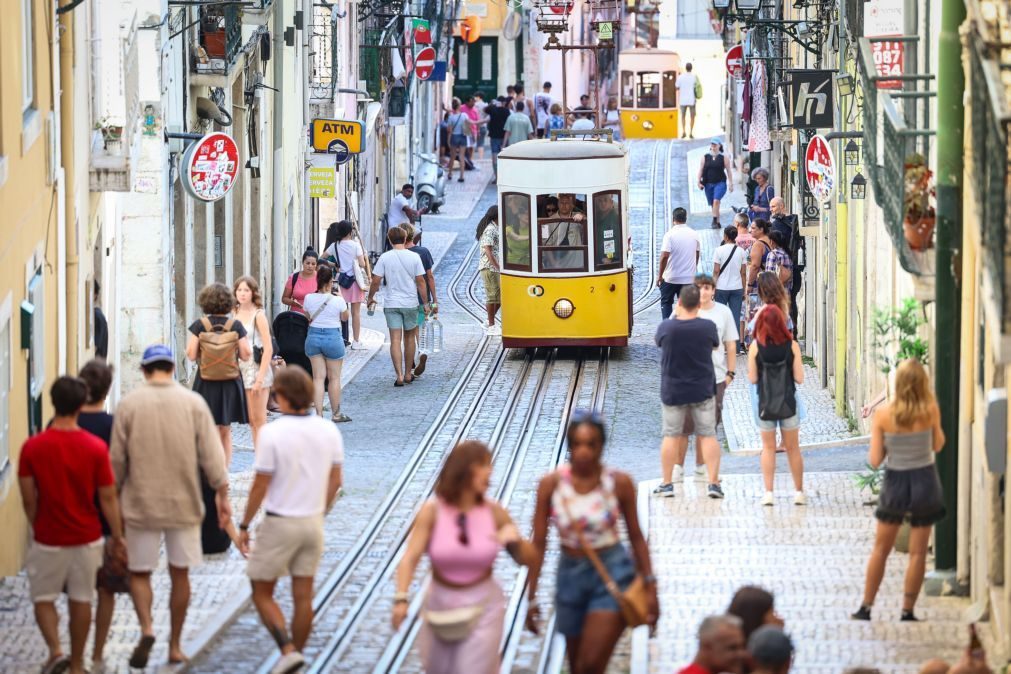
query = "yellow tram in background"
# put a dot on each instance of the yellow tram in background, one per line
(566, 275)
(647, 100)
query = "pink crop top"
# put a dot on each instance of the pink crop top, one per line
(454, 561)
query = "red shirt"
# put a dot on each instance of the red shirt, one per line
(694, 669)
(68, 468)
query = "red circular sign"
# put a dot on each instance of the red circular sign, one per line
(735, 61)
(819, 168)
(424, 63)
(210, 166)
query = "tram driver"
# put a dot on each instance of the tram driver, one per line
(606, 228)
(562, 235)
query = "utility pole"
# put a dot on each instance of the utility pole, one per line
(947, 319)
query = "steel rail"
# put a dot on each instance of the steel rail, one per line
(652, 301)
(651, 239)
(454, 287)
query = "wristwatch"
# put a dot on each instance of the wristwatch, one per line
(243, 527)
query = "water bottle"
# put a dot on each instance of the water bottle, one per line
(801, 258)
(424, 336)
(436, 340)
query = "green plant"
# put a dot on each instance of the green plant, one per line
(919, 189)
(895, 335)
(870, 480)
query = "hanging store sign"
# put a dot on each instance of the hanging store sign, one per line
(324, 135)
(886, 18)
(735, 62)
(424, 63)
(322, 183)
(422, 33)
(811, 97)
(210, 166)
(819, 168)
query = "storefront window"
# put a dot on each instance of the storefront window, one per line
(516, 231)
(607, 230)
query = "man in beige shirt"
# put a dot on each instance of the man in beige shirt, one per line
(161, 435)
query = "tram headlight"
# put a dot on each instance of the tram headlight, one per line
(563, 308)
(648, 125)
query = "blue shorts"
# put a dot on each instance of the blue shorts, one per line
(401, 319)
(580, 590)
(496, 144)
(714, 191)
(326, 342)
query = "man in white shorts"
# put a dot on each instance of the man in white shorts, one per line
(163, 437)
(298, 475)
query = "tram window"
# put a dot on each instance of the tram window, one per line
(627, 89)
(561, 232)
(649, 90)
(516, 230)
(669, 89)
(607, 230)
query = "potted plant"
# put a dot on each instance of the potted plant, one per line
(918, 214)
(870, 480)
(112, 133)
(895, 335)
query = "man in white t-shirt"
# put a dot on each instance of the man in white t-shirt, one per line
(405, 283)
(685, 84)
(724, 364)
(730, 265)
(298, 476)
(402, 208)
(679, 260)
(542, 110)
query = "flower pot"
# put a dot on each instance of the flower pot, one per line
(919, 233)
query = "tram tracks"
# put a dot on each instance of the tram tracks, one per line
(660, 191)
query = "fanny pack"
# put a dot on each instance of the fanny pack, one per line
(346, 279)
(455, 624)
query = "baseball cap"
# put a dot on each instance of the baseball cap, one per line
(769, 646)
(716, 141)
(157, 353)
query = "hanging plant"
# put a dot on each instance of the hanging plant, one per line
(918, 214)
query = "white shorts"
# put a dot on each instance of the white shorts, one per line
(182, 547)
(471, 141)
(286, 546)
(53, 568)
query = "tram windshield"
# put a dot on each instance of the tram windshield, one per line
(627, 89)
(648, 90)
(516, 230)
(561, 231)
(669, 89)
(607, 230)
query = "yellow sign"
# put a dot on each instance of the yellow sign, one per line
(338, 135)
(605, 30)
(322, 183)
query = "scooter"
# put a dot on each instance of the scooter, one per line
(430, 183)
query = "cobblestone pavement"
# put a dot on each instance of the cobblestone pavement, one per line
(812, 558)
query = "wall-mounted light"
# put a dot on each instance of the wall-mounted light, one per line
(858, 187)
(844, 84)
(852, 153)
(721, 4)
(748, 7)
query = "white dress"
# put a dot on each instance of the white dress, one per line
(249, 368)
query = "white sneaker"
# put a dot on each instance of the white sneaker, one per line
(799, 498)
(357, 346)
(768, 499)
(289, 663)
(700, 469)
(678, 475)
(493, 330)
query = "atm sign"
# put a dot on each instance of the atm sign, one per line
(325, 131)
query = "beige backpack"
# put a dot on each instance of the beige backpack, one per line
(218, 355)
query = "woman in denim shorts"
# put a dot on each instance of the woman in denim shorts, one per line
(585, 499)
(774, 345)
(324, 345)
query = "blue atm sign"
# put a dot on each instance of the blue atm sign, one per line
(325, 134)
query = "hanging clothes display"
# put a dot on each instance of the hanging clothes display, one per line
(758, 133)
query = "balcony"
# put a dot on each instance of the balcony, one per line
(218, 39)
(893, 139)
(114, 140)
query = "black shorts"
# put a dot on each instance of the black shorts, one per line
(669, 291)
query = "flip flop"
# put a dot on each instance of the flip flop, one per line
(422, 362)
(58, 665)
(409, 381)
(141, 652)
(398, 383)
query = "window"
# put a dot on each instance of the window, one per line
(516, 231)
(627, 89)
(5, 383)
(607, 245)
(669, 89)
(693, 22)
(648, 90)
(37, 374)
(28, 56)
(561, 232)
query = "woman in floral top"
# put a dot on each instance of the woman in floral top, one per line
(778, 260)
(488, 238)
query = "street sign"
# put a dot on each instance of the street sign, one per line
(438, 72)
(735, 61)
(811, 99)
(819, 168)
(322, 183)
(210, 166)
(424, 63)
(324, 131)
(605, 30)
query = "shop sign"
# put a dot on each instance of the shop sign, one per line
(325, 134)
(886, 18)
(322, 183)
(210, 166)
(819, 168)
(735, 62)
(811, 99)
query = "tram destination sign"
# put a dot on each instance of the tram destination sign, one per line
(330, 135)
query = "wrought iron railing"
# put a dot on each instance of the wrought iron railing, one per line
(323, 75)
(219, 33)
(991, 153)
(867, 73)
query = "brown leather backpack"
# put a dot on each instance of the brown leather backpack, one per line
(218, 355)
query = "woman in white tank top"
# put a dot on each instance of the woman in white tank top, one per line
(257, 377)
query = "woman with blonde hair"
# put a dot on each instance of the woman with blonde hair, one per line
(907, 432)
(257, 377)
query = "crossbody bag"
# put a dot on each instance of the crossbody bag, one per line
(321, 308)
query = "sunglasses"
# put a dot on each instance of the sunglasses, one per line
(461, 523)
(582, 416)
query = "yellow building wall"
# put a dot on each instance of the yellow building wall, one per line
(28, 212)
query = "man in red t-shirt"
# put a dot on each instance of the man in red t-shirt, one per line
(721, 647)
(60, 472)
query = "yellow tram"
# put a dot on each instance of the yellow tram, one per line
(566, 275)
(648, 98)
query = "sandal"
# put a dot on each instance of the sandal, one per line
(142, 651)
(409, 381)
(398, 383)
(58, 665)
(340, 418)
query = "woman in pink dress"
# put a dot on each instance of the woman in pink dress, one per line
(344, 249)
(462, 530)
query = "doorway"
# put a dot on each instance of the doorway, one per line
(476, 68)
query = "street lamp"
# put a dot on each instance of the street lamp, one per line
(748, 8)
(844, 84)
(852, 153)
(858, 187)
(721, 4)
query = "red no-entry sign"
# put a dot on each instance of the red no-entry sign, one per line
(735, 61)
(424, 63)
(819, 167)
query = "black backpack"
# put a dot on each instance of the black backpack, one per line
(777, 392)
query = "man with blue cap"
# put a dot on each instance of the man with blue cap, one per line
(163, 438)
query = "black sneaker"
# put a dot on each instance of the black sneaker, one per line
(908, 617)
(714, 491)
(666, 490)
(863, 613)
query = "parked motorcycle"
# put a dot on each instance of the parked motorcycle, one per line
(430, 183)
